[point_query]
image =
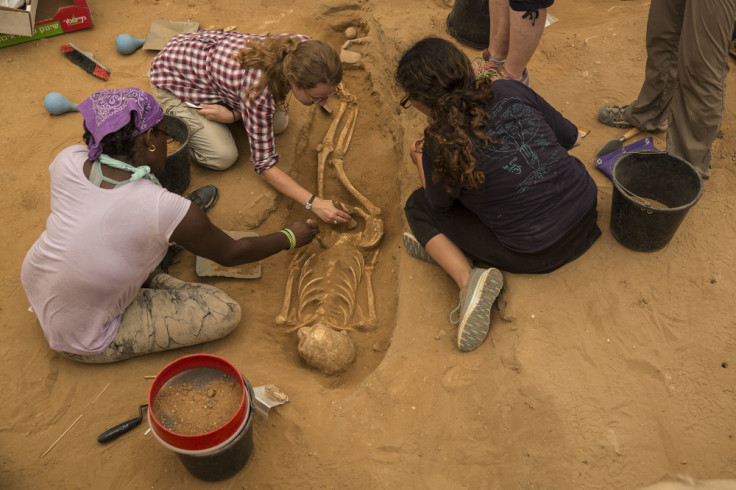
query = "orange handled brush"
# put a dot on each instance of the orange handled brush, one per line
(85, 60)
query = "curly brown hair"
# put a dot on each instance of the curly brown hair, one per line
(286, 60)
(437, 74)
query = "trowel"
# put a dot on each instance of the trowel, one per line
(267, 397)
(617, 144)
(122, 428)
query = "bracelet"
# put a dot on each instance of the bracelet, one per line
(290, 235)
(235, 115)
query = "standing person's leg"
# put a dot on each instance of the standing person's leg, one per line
(526, 25)
(498, 39)
(489, 64)
(699, 99)
(212, 144)
(650, 110)
(168, 315)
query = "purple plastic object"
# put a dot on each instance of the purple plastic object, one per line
(605, 162)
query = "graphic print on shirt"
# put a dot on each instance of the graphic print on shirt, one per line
(518, 133)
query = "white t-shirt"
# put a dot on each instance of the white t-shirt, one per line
(98, 248)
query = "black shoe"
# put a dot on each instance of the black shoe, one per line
(205, 197)
(169, 257)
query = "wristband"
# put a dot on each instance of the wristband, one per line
(290, 235)
(235, 115)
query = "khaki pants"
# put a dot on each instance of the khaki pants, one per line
(167, 315)
(212, 144)
(687, 65)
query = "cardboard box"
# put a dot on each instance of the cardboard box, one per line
(56, 17)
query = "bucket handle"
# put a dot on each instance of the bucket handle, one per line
(636, 197)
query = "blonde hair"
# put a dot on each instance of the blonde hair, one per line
(286, 60)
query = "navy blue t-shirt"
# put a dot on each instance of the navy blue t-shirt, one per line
(534, 190)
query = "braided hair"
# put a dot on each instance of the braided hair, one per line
(437, 74)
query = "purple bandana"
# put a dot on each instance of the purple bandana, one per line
(108, 111)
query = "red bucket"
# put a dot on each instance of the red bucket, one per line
(193, 444)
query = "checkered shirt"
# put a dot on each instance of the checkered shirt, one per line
(201, 68)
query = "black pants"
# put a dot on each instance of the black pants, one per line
(479, 243)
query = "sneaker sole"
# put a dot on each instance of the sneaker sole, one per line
(207, 205)
(415, 249)
(473, 328)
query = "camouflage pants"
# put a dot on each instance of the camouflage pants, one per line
(167, 315)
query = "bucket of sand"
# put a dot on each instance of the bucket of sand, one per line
(201, 407)
(177, 173)
(652, 193)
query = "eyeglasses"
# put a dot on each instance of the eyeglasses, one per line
(405, 102)
(318, 100)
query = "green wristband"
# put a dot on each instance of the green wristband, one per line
(290, 235)
(292, 238)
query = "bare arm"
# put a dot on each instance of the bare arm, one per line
(579, 140)
(197, 234)
(416, 156)
(323, 208)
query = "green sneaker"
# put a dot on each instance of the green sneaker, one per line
(476, 300)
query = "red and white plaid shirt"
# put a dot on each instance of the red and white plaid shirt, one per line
(201, 68)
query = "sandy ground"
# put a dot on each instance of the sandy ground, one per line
(615, 371)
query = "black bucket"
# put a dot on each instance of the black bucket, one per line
(469, 22)
(652, 193)
(226, 461)
(177, 174)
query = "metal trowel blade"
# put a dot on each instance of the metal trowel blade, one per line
(267, 397)
(616, 144)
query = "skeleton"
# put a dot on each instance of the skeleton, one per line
(327, 274)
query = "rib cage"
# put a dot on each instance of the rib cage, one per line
(328, 285)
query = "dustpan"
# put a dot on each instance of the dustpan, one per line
(605, 163)
(162, 30)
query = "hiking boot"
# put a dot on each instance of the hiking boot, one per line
(613, 115)
(205, 197)
(415, 249)
(476, 300)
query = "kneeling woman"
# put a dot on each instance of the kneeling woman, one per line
(499, 186)
(89, 276)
